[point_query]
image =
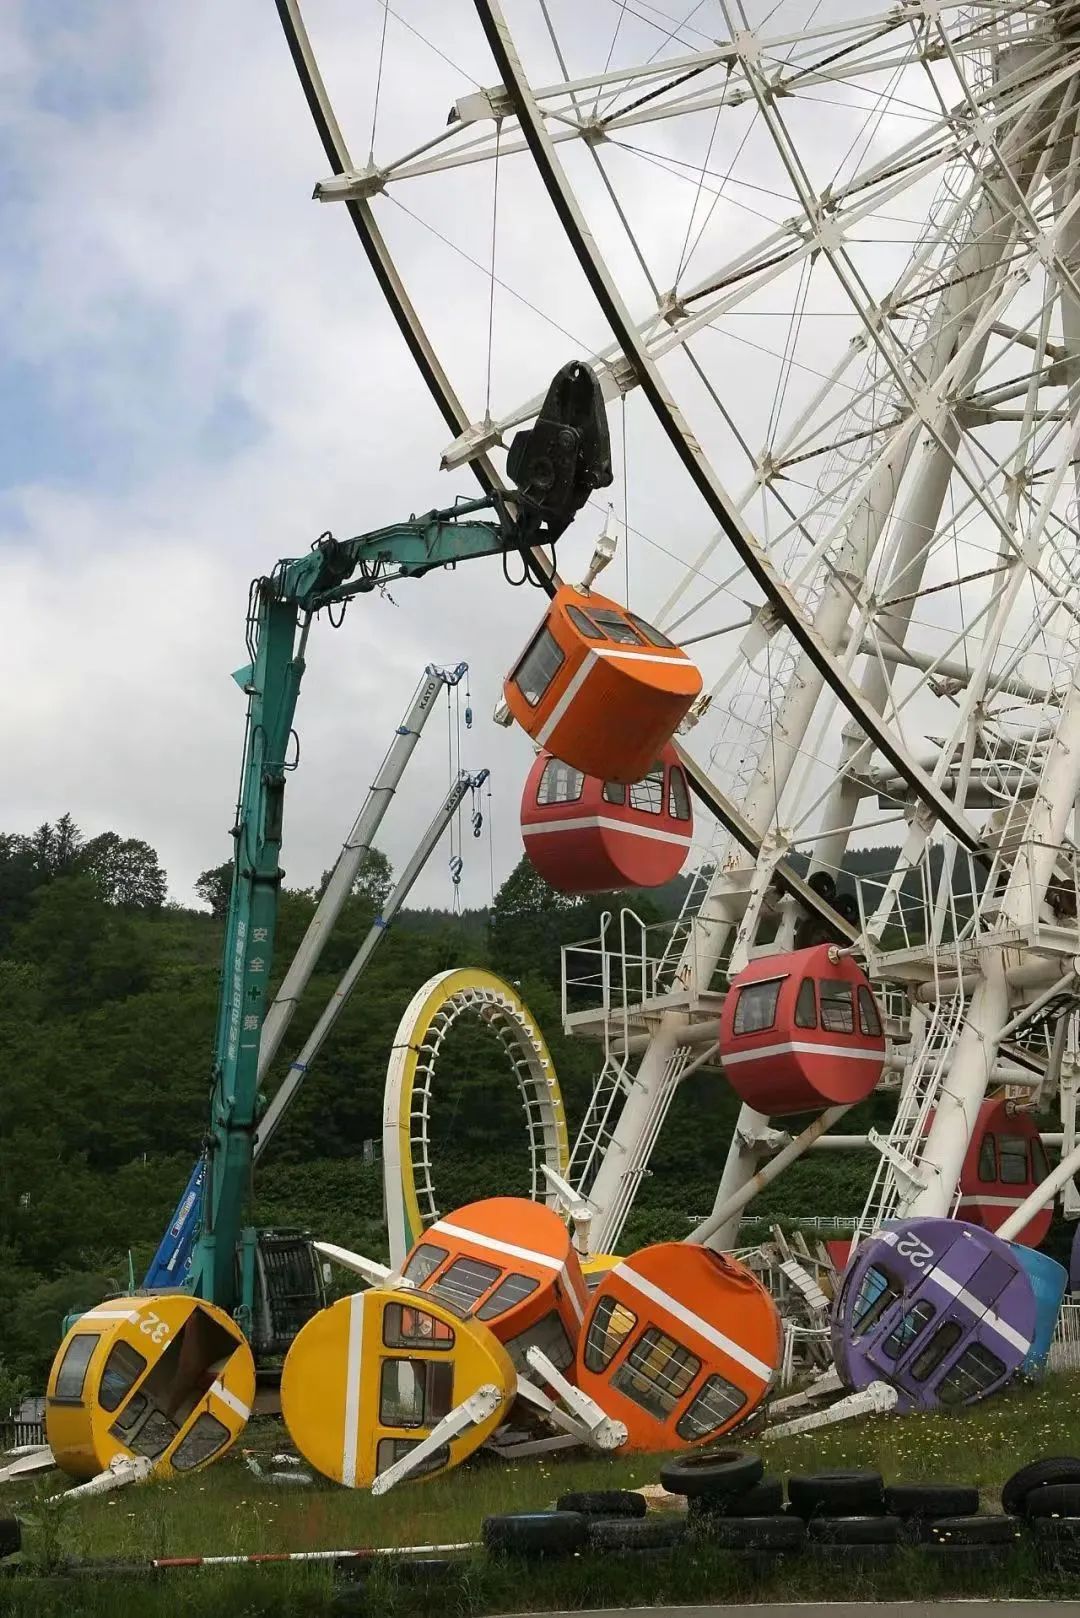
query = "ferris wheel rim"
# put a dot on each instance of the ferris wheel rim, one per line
(437, 380)
(385, 270)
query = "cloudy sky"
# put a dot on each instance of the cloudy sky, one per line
(199, 376)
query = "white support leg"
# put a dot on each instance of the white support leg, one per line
(579, 1209)
(121, 1470)
(828, 1381)
(874, 1400)
(603, 1432)
(374, 1273)
(470, 1412)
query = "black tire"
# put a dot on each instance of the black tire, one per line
(10, 1536)
(837, 1494)
(966, 1558)
(536, 1533)
(931, 1500)
(1055, 1530)
(779, 1533)
(855, 1530)
(722, 1471)
(1049, 1500)
(660, 1532)
(846, 1557)
(762, 1499)
(1051, 1469)
(604, 1503)
(424, 1569)
(974, 1531)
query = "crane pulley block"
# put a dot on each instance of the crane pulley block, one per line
(558, 462)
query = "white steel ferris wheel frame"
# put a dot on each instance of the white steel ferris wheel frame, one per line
(1015, 137)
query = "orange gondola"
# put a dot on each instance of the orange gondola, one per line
(585, 835)
(599, 687)
(680, 1344)
(509, 1263)
(801, 1031)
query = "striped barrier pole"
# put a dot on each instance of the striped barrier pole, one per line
(367, 1553)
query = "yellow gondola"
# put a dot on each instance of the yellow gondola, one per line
(168, 1377)
(368, 1379)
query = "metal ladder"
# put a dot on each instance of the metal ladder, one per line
(608, 1227)
(901, 1150)
(595, 1135)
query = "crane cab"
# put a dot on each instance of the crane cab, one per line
(801, 1031)
(367, 1379)
(1005, 1161)
(599, 687)
(166, 1376)
(680, 1344)
(585, 835)
(509, 1263)
(944, 1311)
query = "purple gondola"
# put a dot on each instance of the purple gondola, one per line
(943, 1310)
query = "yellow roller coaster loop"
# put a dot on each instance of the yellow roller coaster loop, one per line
(428, 1019)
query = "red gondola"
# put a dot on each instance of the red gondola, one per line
(585, 835)
(801, 1031)
(1005, 1162)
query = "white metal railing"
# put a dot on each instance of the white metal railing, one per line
(628, 965)
(1065, 1349)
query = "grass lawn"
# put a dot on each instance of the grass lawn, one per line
(226, 1510)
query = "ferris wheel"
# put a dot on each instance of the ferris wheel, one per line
(825, 263)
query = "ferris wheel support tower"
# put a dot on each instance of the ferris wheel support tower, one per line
(919, 467)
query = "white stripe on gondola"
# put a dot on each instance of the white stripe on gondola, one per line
(495, 1245)
(957, 1290)
(637, 657)
(806, 1047)
(566, 699)
(237, 1406)
(607, 823)
(742, 1356)
(986, 1316)
(353, 1355)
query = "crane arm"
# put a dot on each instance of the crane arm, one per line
(556, 465)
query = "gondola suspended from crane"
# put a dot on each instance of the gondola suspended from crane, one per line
(586, 835)
(599, 687)
(801, 1031)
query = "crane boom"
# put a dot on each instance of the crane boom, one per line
(556, 465)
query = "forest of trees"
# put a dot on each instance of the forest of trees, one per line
(107, 1007)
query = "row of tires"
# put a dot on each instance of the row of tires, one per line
(732, 1505)
(732, 1483)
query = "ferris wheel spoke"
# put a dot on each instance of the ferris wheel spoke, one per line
(849, 245)
(757, 561)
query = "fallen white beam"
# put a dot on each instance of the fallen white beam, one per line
(874, 1400)
(121, 1470)
(37, 1458)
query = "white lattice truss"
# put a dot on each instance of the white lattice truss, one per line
(888, 607)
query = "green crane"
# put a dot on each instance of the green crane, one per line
(555, 466)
